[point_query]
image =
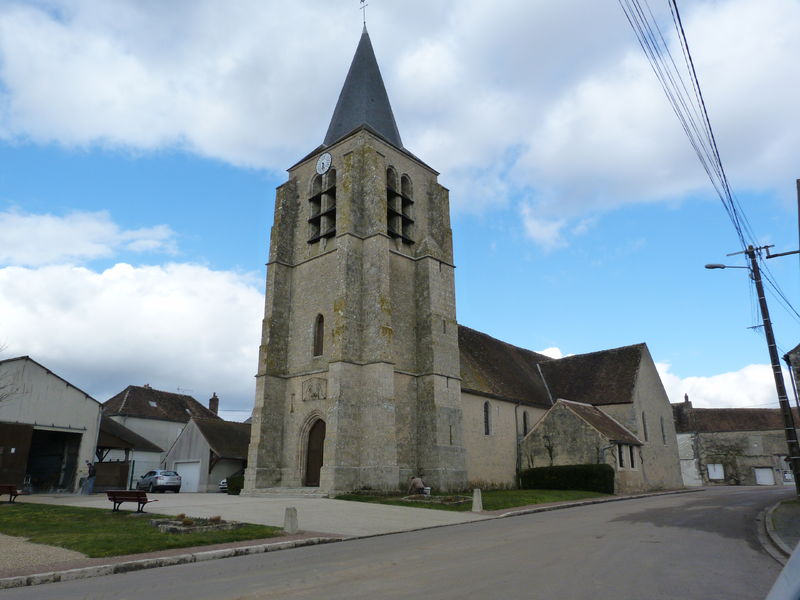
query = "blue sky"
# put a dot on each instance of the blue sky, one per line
(141, 143)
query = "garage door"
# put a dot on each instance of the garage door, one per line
(190, 475)
(764, 476)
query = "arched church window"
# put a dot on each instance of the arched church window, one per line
(487, 419)
(322, 207)
(525, 423)
(399, 205)
(319, 335)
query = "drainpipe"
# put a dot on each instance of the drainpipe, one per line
(518, 437)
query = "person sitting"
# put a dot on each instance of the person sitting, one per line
(417, 486)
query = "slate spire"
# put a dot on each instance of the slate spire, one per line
(363, 100)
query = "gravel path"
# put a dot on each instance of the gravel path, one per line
(18, 553)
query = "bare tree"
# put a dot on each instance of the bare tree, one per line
(7, 387)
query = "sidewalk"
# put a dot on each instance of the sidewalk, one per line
(783, 523)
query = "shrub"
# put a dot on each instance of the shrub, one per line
(235, 483)
(591, 478)
(180, 517)
(215, 519)
(187, 522)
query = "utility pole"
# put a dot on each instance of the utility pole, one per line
(788, 419)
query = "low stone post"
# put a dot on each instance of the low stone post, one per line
(290, 525)
(477, 501)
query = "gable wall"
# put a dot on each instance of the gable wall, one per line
(191, 445)
(660, 462)
(47, 402)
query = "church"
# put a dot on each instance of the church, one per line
(365, 378)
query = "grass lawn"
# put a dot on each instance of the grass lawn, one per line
(492, 499)
(98, 532)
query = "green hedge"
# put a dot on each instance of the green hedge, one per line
(235, 483)
(591, 478)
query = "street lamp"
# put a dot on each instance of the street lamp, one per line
(717, 266)
(788, 420)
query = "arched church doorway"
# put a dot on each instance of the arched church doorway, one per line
(316, 442)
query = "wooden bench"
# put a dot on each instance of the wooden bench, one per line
(10, 489)
(120, 496)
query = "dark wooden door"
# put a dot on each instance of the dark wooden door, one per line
(316, 442)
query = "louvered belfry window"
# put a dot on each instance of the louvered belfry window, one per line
(322, 207)
(399, 207)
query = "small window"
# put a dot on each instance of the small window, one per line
(644, 426)
(319, 335)
(621, 455)
(716, 471)
(630, 452)
(663, 432)
(525, 423)
(487, 425)
(152, 403)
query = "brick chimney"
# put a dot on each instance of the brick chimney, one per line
(213, 403)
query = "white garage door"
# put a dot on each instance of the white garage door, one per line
(190, 475)
(764, 476)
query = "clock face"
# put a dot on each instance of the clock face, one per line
(323, 163)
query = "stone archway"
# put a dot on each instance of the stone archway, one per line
(314, 453)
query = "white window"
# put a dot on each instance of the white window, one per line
(716, 471)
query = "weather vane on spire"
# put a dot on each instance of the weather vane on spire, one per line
(364, 10)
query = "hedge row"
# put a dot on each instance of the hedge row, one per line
(591, 478)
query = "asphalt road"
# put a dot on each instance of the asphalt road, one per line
(701, 545)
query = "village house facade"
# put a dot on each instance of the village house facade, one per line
(732, 446)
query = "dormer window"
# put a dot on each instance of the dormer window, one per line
(399, 205)
(322, 207)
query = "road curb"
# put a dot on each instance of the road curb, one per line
(772, 534)
(152, 563)
(529, 511)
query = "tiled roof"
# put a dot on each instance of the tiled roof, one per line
(227, 439)
(597, 378)
(710, 420)
(148, 403)
(607, 426)
(493, 367)
(116, 436)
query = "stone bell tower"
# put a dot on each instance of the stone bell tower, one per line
(358, 382)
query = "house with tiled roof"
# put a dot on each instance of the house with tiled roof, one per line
(157, 416)
(732, 446)
(208, 451)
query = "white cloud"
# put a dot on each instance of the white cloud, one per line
(177, 325)
(33, 240)
(551, 99)
(752, 386)
(546, 233)
(552, 352)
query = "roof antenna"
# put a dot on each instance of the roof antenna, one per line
(364, 6)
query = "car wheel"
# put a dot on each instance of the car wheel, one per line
(150, 488)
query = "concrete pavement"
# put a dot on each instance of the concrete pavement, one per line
(324, 515)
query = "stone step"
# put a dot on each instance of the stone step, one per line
(286, 492)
